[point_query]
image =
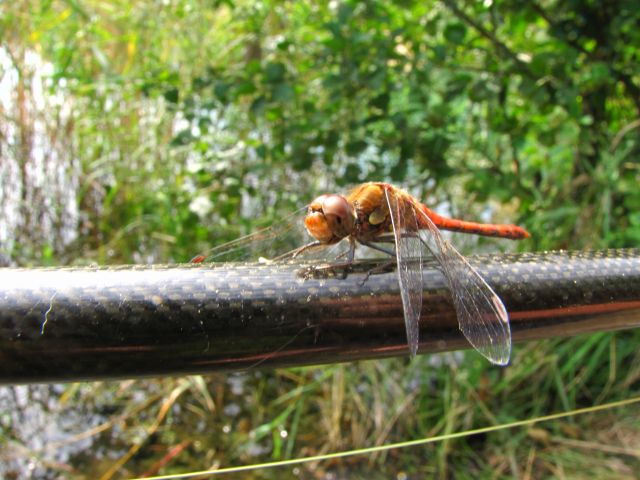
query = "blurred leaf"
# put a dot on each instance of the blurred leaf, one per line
(172, 95)
(355, 147)
(283, 92)
(221, 91)
(455, 33)
(274, 72)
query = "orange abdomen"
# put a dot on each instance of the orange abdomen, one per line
(513, 232)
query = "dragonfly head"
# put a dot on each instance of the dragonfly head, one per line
(330, 218)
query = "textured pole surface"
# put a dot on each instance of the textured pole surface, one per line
(70, 324)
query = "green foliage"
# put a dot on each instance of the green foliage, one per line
(526, 104)
(194, 122)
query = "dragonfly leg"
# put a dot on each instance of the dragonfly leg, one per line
(342, 255)
(294, 253)
(352, 250)
(344, 265)
(385, 238)
(380, 249)
(351, 254)
(378, 269)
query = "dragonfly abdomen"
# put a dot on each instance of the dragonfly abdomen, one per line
(513, 232)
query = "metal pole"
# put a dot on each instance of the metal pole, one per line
(70, 324)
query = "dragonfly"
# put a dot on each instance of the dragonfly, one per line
(386, 218)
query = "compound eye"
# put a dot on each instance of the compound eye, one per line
(335, 205)
(316, 205)
(339, 214)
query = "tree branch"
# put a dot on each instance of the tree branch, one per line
(632, 89)
(502, 48)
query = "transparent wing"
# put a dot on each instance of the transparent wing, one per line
(482, 317)
(409, 255)
(276, 242)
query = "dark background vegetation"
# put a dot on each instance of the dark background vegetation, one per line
(150, 131)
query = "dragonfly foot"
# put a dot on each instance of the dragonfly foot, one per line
(382, 268)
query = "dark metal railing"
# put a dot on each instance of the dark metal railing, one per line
(70, 324)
